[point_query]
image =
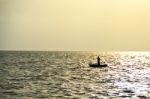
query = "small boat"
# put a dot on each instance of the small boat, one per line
(98, 66)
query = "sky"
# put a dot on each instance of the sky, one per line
(84, 25)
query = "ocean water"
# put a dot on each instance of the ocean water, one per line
(67, 75)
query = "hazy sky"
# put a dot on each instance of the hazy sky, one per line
(75, 25)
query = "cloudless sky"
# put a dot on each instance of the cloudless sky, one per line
(100, 25)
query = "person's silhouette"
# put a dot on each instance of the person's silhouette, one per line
(98, 60)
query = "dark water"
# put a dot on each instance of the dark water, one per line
(66, 75)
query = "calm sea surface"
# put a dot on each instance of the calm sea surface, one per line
(67, 75)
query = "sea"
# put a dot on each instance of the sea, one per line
(67, 75)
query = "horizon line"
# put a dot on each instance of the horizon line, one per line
(75, 50)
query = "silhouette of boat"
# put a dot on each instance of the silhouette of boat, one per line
(98, 66)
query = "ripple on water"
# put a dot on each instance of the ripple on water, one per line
(60, 75)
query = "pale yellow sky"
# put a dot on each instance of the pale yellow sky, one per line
(75, 25)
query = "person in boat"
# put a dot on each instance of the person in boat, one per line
(98, 60)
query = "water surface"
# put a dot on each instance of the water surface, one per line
(66, 75)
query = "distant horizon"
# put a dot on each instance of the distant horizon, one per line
(80, 50)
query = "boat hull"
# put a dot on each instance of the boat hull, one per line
(98, 66)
